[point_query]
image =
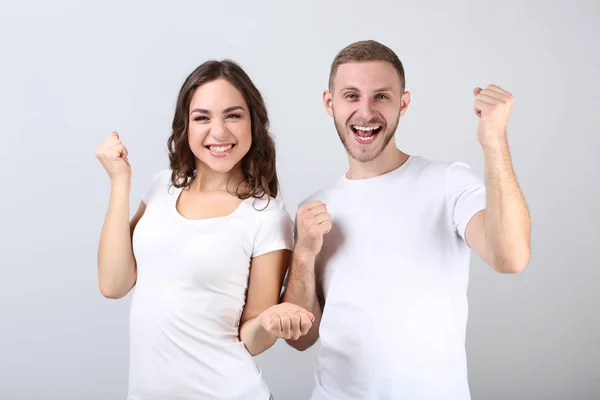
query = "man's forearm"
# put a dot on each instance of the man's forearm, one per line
(313, 222)
(300, 288)
(507, 219)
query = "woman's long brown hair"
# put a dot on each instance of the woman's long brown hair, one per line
(258, 165)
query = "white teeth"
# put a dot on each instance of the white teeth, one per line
(220, 149)
(365, 138)
(365, 128)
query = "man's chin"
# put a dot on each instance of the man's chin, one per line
(364, 153)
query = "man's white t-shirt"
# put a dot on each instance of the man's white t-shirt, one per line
(393, 272)
(190, 294)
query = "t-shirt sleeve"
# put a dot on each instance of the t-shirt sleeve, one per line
(275, 230)
(158, 181)
(466, 195)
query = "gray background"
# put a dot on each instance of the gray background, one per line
(71, 72)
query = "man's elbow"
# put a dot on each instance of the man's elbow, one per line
(112, 292)
(113, 295)
(300, 345)
(515, 263)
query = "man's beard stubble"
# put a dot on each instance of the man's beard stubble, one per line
(364, 154)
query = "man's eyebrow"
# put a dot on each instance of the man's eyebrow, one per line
(352, 88)
(355, 89)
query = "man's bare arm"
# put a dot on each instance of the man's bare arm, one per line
(312, 222)
(301, 290)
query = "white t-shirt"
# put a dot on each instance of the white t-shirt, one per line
(394, 272)
(190, 294)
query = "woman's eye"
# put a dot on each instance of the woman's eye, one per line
(234, 116)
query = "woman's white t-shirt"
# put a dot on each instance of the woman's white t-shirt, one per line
(192, 277)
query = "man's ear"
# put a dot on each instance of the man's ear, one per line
(404, 102)
(328, 102)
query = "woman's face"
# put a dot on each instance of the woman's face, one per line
(220, 130)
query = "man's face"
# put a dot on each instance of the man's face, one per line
(366, 104)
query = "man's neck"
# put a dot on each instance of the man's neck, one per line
(387, 161)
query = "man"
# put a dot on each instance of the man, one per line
(382, 255)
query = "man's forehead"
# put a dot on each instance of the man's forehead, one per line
(368, 75)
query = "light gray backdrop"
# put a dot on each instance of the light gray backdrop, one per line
(72, 71)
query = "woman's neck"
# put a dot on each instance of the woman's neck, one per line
(208, 180)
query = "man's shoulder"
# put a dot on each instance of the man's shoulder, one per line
(429, 167)
(422, 163)
(322, 193)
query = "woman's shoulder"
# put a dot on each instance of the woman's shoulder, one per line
(163, 176)
(274, 228)
(267, 204)
(268, 210)
(159, 181)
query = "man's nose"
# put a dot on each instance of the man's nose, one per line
(366, 110)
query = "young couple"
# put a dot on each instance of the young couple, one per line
(377, 265)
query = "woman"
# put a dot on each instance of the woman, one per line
(207, 249)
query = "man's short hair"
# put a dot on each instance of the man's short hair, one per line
(366, 50)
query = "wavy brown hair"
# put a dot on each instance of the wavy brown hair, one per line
(258, 165)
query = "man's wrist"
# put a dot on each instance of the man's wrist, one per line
(495, 145)
(303, 256)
